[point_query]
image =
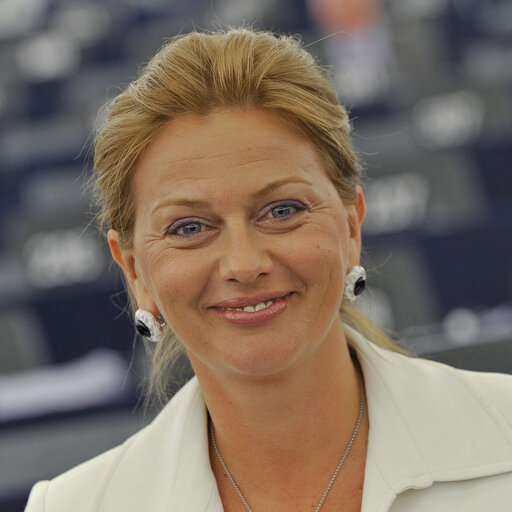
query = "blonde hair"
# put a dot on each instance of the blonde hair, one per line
(197, 73)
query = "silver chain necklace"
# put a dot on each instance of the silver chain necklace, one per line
(335, 474)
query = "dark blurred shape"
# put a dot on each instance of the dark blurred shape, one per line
(19, 17)
(358, 44)
(489, 357)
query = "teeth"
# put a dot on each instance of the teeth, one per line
(252, 308)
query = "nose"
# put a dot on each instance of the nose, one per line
(244, 257)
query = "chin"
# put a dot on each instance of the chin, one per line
(261, 364)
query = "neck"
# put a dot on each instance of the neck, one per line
(260, 423)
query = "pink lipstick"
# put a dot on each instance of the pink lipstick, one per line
(252, 311)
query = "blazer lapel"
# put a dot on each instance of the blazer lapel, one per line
(195, 487)
(168, 464)
(428, 423)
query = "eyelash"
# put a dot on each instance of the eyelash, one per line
(286, 204)
(183, 223)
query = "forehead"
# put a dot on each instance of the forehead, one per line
(231, 136)
(227, 145)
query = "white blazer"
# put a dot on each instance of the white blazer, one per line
(440, 440)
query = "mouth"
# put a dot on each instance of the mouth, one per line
(253, 310)
(252, 304)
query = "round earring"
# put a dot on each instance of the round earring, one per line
(355, 283)
(148, 325)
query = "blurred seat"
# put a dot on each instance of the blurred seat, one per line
(487, 357)
(48, 142)
(23, 344)
(400, 290)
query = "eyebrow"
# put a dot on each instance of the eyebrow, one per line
(267, 189)
(198, 203)
(188, 203)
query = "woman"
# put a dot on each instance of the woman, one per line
(231, 196)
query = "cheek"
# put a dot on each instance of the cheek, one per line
(173, 279)
(318, 259)
(329, 244)
(329, 257)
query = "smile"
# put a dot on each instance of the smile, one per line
(256, 307)
(242, 312)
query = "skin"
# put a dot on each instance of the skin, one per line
(229, 207)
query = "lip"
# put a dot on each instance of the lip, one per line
(257, 317)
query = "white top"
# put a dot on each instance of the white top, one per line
(440, 439)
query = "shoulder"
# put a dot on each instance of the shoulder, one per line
(435, 431)
(78, 485)
(84, 487)
(493, 388)
(414, 378)
(491, 391)
(440, 409)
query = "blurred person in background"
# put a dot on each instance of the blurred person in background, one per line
(359, 45)
(231, 198)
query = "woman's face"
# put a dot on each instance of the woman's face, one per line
(241, 242)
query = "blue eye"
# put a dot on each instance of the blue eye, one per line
(281, 211)
(185, 228)
(286, 209)
(191, 229)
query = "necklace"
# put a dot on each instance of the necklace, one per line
(336, 471)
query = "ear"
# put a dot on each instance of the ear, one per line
(356, 213)
(126, 260)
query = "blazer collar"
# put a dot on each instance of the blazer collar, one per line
(167, 462)
(194, 461)
(428, 423)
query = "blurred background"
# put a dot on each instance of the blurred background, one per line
(429, 87)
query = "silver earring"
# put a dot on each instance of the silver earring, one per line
(148, 325)
(355, 283)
